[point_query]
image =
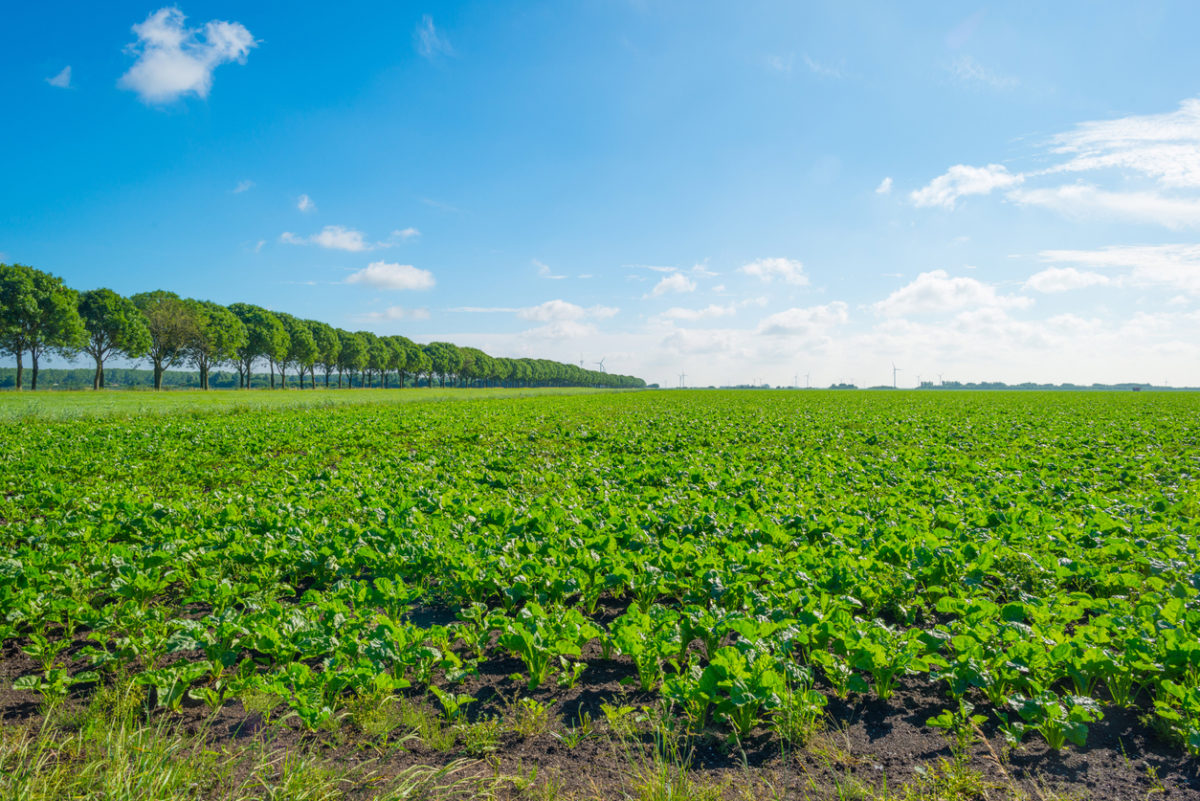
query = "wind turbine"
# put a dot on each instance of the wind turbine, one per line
(895, 370)
(600, 364)
(683, 380)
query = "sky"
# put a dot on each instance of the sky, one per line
(751, 192)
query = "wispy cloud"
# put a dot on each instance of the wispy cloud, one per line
(394, 313)
(406, 233)
(1174, 266)
(560, 310)
(969, 72)
(824, 70)
(429, 42)
(789, 271)
(62, 80)
(544, 271)
(962, 180)
(305, 203)
(332, 237)
(438, 204)
(243, 186)
(885, 186)
(174, 60)
(1152, 161)
(1064, 279)
(382, 275)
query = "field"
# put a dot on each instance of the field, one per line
(651, 595)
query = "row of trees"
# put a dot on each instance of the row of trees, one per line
(39, 314)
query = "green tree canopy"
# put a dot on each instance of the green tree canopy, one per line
(352, 356)
(301, 350)
(39, 314)
(114, 325)
(445, 359)
(172, 325)
(266, 338)
(217, 336)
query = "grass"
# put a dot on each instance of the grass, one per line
(81, 404)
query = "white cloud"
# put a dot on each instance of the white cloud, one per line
(1064, 279)
(1084, 201)
(969, 72)
(173, 60)
(243, 186)
(676, 282)
(406, 233)
(62, 80)
(259, 245)
(335, 237)
(332, 237)
(936, 292)
(429, 42)
(544, 271)
(789, 271)
(305, 203)
(395, 313)
(885, 186)
(382, 275)
(1141, 169)
(1163, 146)
(805, 322)
(708, 312)
(561, 310)
(961, 180)
(1175, 266)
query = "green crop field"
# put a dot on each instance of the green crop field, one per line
(1007, 572)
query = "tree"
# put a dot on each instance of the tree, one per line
(445, 359)
(171, 325)
(39, 314)
(352, 357)
(301, 351)
(329, 345)
(114, 325)
(379, 357)
(217, 336)
(266, 338)
(18, 308)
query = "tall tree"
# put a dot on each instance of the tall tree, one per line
(379, 357)
(114, 325)
(445, 358)
(18, 310)
(328, 348)
(302, 350)
(352, 356)
(44, 316)
(266, 338)
(171, 324)
(217, 336)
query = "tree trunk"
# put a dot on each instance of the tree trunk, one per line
(33, 373)
(20, 368)
(101, 376)
(158, 371)
(98, 379)
(339, 379)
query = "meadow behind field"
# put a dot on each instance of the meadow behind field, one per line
(69, 404)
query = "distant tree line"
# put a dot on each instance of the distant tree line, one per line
(39, 314)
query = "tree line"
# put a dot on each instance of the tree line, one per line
(39, 314)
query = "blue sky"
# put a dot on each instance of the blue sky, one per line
(736, 191)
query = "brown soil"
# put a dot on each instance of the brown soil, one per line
(867, 740)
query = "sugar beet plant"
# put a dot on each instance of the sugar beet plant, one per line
(745, 556)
